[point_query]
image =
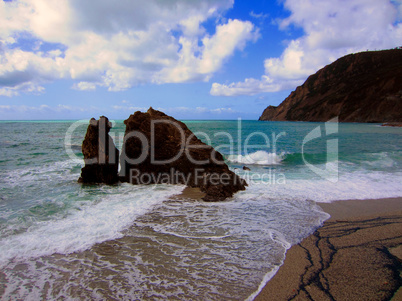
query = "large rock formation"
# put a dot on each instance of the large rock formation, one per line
(101, 156)
(361, 87)
(159, 149)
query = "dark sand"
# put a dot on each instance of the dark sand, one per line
(356, 255)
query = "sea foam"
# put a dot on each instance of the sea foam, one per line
(353, 185)
(257, 158)
(87, 223)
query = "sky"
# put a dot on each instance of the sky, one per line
(211, 59)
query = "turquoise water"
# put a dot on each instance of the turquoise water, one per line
(59, 239)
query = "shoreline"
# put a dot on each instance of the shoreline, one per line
(337, 261)
(371, 228)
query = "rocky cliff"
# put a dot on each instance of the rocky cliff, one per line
(361, 87)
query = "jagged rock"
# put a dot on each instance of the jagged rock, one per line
(159, 149)
(361, 87)
(101, 156)
(246, 168)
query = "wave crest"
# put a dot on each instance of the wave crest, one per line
(258, 158)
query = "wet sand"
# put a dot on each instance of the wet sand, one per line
(356, 255)
(189, 193)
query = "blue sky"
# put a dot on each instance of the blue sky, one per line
(215, 59)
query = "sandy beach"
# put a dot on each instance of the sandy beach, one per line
(356, 255)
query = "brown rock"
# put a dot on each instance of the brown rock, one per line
(393, 124)
(100, 154)
(269, 113)
(159, 149)
(361, 87)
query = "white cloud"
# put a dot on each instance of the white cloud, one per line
(198, 111)
(84, 86)
(7, 92)
(115, 44)
(228, 37)
(260, 16)
(211, 55)
(27, 87)
(41, 108)
(129, 109)
(24, 112)
(332, 28)
(250, 86)
(179, 111)
(223, 110)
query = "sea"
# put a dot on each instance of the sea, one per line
(61, 240)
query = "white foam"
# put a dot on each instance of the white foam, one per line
(381, 160)
(353, 185)
(245, 237)
(196, 237)
(268, 276)
(278, 237)
(91, 223)
(258, 158)
(55, 171)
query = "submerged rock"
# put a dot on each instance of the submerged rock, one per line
(159, 149)
(100, 154)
